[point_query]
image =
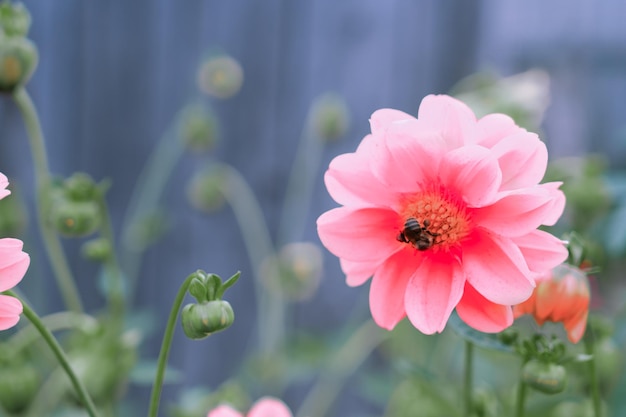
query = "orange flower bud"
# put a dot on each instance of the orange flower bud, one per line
(560, 296)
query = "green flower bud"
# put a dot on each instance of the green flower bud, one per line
(14, 19)
(72, 219)
(98, 249)
(220, 76)
(546, 377)
(199, 128)
(80, 187)
(330, 117)
(205, 190)
(18, 386)
(18, 59)
(202, 320)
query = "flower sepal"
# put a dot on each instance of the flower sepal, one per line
(546, 377)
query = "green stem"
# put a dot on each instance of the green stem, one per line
(145, 202)
(256, 236)
(467, 379)
(165, 347)
(521, 396)
(300, 184)
(346, 360)
(59, 264)
(60, 355)
(111, 265)
(593, 376)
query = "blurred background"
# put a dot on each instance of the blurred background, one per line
(114, 76)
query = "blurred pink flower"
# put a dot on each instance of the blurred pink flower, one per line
(562, 296)
(265, 407)
(13, 266)
(443, 212)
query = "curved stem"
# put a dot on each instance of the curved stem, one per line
(467, 380)
(347, 359)
(300, 185)
(59, 264)
(270, 305)
(593, 376)
(60, 355)
(54, 322)
(165, 347)
(145, 200)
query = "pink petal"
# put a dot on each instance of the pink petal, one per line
(10, 310)
(481, 314)
(389, 287)
(410, 158)
(357, 273)
(523, 159)
(496, 268)
(541, 250)
(433, 292)
(13, 263)
(576, 326)
(224, 411)
(360, 235)
(269, 407)
(558, 203)
(4, 183)
(455, 121)
(383, 118)
(521, 211)
(351, 181)
(494, 127)
(473, 172)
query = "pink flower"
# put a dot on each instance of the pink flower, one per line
(13, 266)
(562, 295)
(265, 407)
(442, 211)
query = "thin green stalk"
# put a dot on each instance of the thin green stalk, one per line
(521, 396)
(593, 376)
(165, 347)
(60, 355)
(300, 185)
(111, 264)
(145, 200)
(256, 236)
(346, 360)
(467, 380)
(59, 264)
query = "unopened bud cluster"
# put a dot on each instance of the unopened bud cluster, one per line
(210, 314)
(18, 55)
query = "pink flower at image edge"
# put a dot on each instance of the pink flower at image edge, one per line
(13, 265)
(264, 407)
(442, 212)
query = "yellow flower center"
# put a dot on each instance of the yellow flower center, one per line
(443, 217)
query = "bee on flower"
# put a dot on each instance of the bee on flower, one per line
(442, 211)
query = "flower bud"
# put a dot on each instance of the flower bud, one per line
(72, 219)
(205, 190)
(330, 117)
(220, 76)
(18, 59)
(14, 19)
(202, 320)
(198, 128)
(560, 296)
(98, 249)
(80, 187)
(18, 385)
(546, 377)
